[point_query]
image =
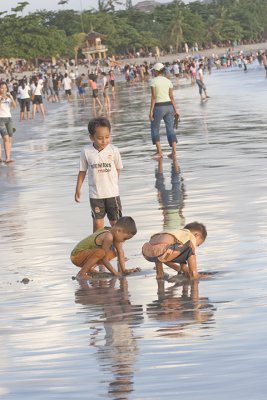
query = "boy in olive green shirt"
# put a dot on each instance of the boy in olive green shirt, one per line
(102, 246)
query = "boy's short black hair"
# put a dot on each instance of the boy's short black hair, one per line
(197, 227)
(97, 122)
(127, 224)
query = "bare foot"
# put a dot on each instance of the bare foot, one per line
(172, 155)
(82, 277)
(156, 156)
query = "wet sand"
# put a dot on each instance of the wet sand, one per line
(132, 338)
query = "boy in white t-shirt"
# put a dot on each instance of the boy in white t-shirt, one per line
(103, 163)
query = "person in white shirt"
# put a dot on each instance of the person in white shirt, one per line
(36, 88)
(200, 82)
(25, 99)
(103, 163)
(162, 107)
(6, 127)
(105, 88)
(67, 82)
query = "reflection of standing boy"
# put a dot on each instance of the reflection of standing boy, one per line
(103, 163)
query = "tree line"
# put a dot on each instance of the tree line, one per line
(62, 33)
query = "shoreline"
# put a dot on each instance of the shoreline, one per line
(217, 51)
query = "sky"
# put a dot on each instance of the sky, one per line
(53, 4)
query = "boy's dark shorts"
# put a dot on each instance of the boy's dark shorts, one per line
(110, 206)
(68, 92)
(186, 252)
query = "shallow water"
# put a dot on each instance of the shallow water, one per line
(131, 339)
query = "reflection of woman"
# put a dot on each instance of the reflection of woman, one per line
(118, 353)
(171, 200)
(162, 107)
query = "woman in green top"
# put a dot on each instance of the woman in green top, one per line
(162, 107)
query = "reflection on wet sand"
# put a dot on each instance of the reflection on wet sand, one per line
(119, 352)
(171, 201)
(181, 309)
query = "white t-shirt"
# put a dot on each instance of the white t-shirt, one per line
(162, 86)
(67, 83)
(5, 105)
(101, 167)
(200, 74)
(175, 69)
(24, 93)
(39, 87)
(72, 75)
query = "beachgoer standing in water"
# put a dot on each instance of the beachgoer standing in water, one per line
(200, 82)
(162, 107)
(103, 163)
(6, 128)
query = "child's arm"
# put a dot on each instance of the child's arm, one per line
(152, 103)
(121, 257)
(121, 260)
(190, 270)
(173, 265)
(106, 246)
(13, 102)
(80, 179)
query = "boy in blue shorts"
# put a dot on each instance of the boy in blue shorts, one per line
(176, 249)
(102, 161)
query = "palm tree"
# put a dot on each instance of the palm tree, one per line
(177, 26)
(78, 42)
(20, 7)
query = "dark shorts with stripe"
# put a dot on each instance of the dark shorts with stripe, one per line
(110, 207)
(185, 249)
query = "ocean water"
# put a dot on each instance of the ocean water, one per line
(135, 338)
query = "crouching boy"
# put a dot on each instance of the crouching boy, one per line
(102, 246)
(176, 249)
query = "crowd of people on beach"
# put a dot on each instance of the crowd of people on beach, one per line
(101, 160)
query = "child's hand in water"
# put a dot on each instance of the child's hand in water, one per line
(131, 270)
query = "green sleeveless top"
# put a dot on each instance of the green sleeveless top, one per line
(88, 243)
